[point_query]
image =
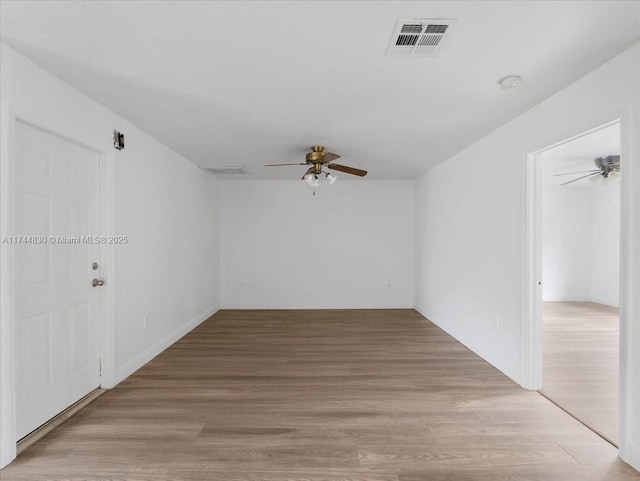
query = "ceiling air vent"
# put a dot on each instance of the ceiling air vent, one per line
(419, 37)
(227, 170)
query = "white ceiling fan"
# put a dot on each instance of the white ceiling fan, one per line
(607, 168)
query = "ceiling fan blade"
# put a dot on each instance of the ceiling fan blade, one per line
(580, 172)
(348, 170)
(279, 165)
(329, 157)
(580, 178)
(310, 171)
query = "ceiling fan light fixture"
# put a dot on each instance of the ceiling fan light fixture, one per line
(318, 159)
(311, 179)
(607, 171)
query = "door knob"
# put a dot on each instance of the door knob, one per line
(97, 282)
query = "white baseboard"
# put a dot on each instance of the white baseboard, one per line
(632, 456)
(606, 301)
(144, 357)
(239, 304)
(553, 298)
(596, 299)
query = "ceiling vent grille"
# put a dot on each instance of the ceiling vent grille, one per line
(227, 170)
(419, 37)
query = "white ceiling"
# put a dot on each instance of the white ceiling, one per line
(248, 83)
(578, 155)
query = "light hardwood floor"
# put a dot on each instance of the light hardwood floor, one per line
(360, 395)
(580, 343)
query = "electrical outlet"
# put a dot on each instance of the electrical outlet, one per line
(145, 320)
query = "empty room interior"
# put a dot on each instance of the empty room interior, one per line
(581, 278)
(320, 240)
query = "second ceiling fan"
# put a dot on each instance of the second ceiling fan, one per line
(606, 168)
(319, 158)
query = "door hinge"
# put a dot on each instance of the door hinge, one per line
(100, 367)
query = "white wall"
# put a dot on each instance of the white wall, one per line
(470, 225)
(165, 205)
(605, 245)
(566, 241)
(350, 246)
(169, 271)
(581, 243)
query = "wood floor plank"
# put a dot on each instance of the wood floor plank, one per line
(524, 473)
(581, 354)
(479, 456)
(342, 395)
(329, 475)
(590, 453)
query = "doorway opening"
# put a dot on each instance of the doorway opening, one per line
(580, 272)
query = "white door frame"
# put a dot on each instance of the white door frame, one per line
(532, 295)
(8, 364)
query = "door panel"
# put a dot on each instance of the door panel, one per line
(79, 336)
(78, 256)
(56, 306)
(34, 268)
(36, 353)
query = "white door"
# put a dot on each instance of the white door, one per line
(56, 307)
